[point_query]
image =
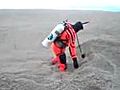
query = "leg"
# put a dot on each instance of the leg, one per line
(62, 65)
(59, 57)
(56, 53)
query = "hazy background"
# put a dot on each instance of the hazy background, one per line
(106, 5)
(25, 64)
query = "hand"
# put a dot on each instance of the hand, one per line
(75, 63)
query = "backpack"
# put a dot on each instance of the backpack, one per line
(54, 34)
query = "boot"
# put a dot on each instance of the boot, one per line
(55, 60)
(75, 63)
(62, 67)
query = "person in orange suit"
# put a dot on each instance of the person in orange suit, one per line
(66, 39)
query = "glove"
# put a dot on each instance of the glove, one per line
(75, 63)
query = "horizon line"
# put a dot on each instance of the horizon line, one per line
(109, 10)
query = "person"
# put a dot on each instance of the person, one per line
(66, 39)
